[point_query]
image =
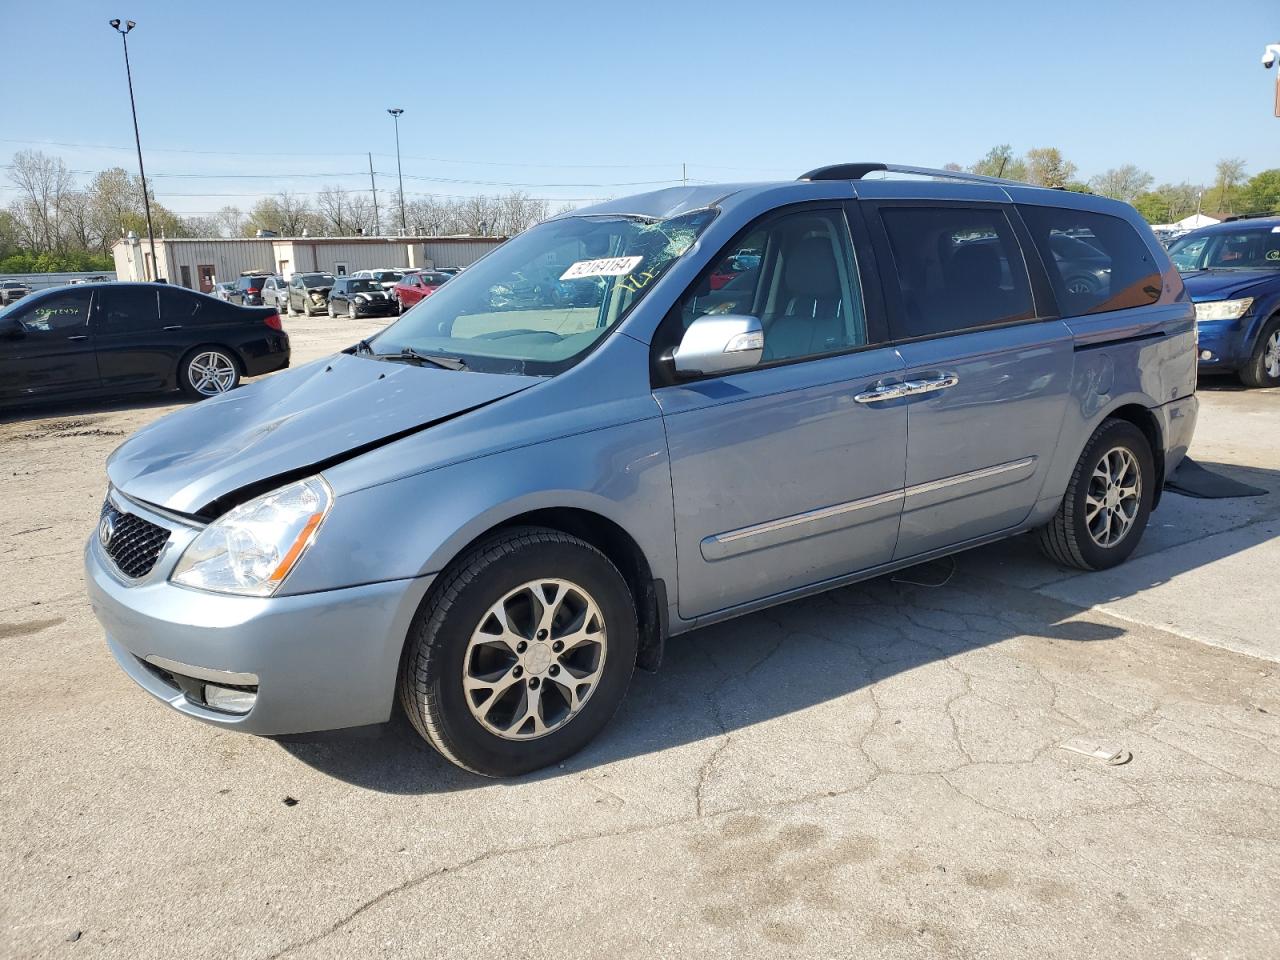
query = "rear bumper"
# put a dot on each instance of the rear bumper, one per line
(319, 661)
(1177, 426)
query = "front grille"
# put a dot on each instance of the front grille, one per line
(132, 543)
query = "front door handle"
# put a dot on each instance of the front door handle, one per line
(83, 336)
(176, 326)
(882, 391)
(913, 387)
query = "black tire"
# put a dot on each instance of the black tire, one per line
(430, 686)
(332, 315)
(190, 387)
(1066, 538)
(351, 311)
(1255, 373)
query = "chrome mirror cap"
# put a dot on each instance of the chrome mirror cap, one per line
(720, 344)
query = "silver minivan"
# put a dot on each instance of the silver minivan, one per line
(725, 397)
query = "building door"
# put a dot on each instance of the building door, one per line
(283, 269)
(205, 271)
(340, 269)
(186, 275)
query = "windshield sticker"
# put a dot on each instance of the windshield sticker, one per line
(604, 267)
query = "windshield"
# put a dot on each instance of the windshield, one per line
(390, 275)
(363, 285)
(317, 280)
(539, 302)
(1243, 249)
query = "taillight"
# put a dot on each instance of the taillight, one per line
(273, 321)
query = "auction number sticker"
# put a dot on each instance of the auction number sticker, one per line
(604, 267)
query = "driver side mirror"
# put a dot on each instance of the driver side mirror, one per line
(720, 344)
(11, 328)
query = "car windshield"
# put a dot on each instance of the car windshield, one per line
(317, 280)
(390, 275)
(1242, 249)
(363, 285)
(539, 302)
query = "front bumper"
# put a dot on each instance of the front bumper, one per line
(320, 660)
(375, 308)
(1224, 342)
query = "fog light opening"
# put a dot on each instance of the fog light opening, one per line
(229, 699)
(1206, 354)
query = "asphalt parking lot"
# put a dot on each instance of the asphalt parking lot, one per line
(877, 772)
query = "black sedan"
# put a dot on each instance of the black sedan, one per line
(360, 297)
(114, 338)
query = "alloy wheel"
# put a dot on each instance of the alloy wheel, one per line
(535, 659)
(1271, 356)
(1114, 497)
(211, 373)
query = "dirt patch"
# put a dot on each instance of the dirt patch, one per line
(10, 630)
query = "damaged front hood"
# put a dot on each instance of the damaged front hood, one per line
(306, 418)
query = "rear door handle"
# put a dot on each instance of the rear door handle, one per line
(913, 387)
(176, 326)
(882, 391)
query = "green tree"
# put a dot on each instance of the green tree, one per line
(1047, 168)
(1261, 194)
(1000, 161)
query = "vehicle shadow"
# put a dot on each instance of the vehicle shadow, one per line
(802, 654)
(60, 409)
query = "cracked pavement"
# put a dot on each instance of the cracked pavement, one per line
(876, 772)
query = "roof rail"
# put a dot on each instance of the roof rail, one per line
(859, 171)
(1248, 216)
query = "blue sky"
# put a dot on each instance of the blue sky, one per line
(582, 100)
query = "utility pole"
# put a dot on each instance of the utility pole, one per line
(1269, 57)
(395, 115)
(123, 30)
(373, 188)
(684, 175)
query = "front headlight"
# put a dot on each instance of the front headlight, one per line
(362, 297)
(1223, 309)
(251, 549)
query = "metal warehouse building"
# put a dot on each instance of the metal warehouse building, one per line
(199, 264)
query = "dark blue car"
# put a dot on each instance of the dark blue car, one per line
(1232, 272)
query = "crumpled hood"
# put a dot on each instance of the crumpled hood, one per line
(310, 416)
(1229, 284)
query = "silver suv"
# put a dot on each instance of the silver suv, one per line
(730, 397)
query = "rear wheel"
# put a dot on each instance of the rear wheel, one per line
(1263, 368)
(521, 653)
(207, 372)
(1107, 503)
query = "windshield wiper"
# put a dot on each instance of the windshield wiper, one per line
(364, 346)
(436, 360)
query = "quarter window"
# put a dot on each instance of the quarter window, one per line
(1095, 262)
(797, 274)
(958, 268)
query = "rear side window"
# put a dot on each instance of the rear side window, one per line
(1095, 262)
(959, 268)
(128, 309)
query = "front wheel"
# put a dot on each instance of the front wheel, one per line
(351, 311)
(521, 653)
(207, 372)
(332, 315)
(1107, 503)
(1263, 368)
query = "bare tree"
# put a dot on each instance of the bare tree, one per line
(1122, 183)
(42, 183)
(1047, 168)
(230, 221)
(1230, 175)
(286, 214)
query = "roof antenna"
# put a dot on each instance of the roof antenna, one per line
(1003, 161)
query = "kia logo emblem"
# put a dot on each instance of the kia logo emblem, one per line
(106, 530)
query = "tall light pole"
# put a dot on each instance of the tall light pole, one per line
(395, 115)
(123, 29)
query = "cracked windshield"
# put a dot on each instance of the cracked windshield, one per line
(538, 303)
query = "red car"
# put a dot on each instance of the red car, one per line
(417, 286)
